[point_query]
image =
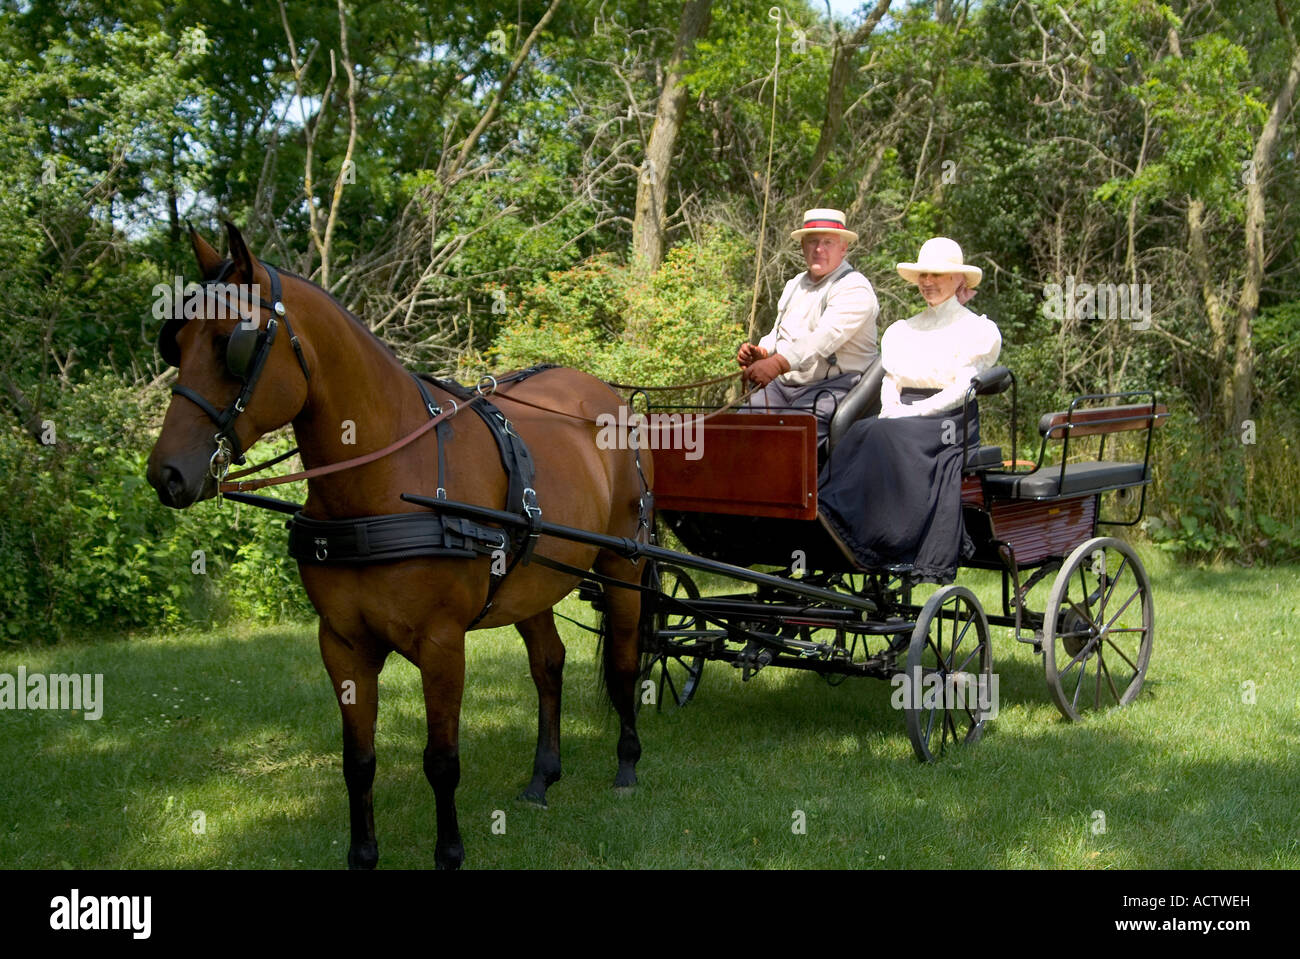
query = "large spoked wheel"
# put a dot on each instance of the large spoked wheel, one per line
(1097, 628)
(673, 672)
(948, 683)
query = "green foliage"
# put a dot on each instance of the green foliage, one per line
(87, 546)
(679, 325)
(1228, 496)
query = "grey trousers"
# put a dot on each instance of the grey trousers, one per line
(820, 399)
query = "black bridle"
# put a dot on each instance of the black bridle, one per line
(246, 355)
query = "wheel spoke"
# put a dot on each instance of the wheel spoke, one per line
(965, 629)
(1114, 581)
(1121, 654)
(1109, 681)
(1127, 603)
(1083, 674)
(1096, 696)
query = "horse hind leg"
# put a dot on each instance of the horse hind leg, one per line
(621, 646)
(546, 662)
(356, 686)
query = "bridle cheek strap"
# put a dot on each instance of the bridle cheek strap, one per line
(225, 419)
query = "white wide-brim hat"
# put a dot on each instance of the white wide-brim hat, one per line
(824, 221)
(940, 255)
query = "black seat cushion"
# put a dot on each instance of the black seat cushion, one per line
(1093, 477)
(986, 457)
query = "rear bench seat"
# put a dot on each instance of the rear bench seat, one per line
(1074, 479)
(1092, 477)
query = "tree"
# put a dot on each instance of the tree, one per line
(648, 228)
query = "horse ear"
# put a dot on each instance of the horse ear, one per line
(209, 259)
(239, 252)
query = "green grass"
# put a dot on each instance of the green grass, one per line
(241, 725)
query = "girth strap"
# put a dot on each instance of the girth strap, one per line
(377, 539)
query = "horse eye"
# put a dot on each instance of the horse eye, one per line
(221, 341)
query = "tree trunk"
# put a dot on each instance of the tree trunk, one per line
(1240, 388)
(841, 72)
(652, 189)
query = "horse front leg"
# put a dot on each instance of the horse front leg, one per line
(546, 662)
(356, 687)
(442, 673)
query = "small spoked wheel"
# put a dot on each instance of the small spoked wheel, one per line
(1098, 628)
(947, 687)
(673, 672)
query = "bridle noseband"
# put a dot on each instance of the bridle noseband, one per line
(246, 356)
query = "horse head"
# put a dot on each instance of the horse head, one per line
(242, 372)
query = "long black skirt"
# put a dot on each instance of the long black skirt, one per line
(892, 493)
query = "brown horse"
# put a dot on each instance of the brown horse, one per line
(336, 381)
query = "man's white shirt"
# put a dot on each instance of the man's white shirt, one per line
(807, 336)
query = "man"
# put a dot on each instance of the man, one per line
(825, 331)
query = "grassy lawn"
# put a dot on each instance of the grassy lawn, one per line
(240, 724)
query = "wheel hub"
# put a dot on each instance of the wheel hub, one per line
(1078, 633)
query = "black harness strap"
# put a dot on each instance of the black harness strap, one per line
(397, 536)
(225, 419)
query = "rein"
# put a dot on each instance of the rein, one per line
(235, 483)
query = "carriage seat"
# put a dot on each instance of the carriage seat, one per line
(1077, 479)
(984, 458)
(1082, 478)
(860, 402)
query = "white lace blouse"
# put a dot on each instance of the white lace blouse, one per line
(940, 348)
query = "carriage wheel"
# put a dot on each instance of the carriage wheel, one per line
(677, 675)
(1098, 628)
(949, 673)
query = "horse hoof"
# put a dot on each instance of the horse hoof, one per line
(625, 779)
(624, 791)
(533, 799)
(450, 859)
(363, 857)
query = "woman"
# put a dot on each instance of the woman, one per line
(892, 491)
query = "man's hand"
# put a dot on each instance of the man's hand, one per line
(764, 371)
(749, 353)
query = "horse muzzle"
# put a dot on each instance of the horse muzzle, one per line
(182, 481)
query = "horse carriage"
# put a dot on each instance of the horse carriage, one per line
(721, 496)
(406, 548)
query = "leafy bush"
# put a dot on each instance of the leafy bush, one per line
(679, 325)
(1234, 497)
(89, 548)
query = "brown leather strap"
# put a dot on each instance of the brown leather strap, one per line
(243, 486)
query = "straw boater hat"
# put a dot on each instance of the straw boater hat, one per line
(824, 221)
(940, 255)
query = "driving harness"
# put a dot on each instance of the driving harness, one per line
(389, 537)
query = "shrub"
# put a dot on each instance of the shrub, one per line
(680, 324)
(88, 547)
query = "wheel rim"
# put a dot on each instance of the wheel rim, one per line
(674, 672)
(1098, 629)
(949, 674)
